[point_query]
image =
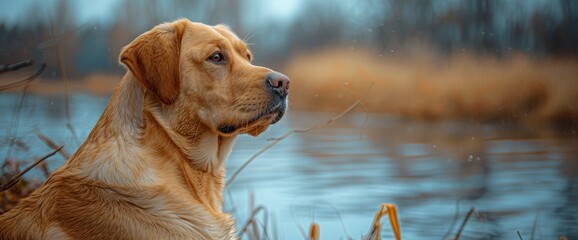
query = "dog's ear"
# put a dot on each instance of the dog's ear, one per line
(153, 58)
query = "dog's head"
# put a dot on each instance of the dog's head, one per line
(204, 73)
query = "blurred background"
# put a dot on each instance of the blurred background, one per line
(465, 103)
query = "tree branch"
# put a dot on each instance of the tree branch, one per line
(15, 66)
(25, 80)
(16, 178)
(288, 133)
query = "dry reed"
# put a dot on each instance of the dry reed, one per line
(314, 231)
(375, 230)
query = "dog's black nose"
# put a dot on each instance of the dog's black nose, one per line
(279, 83)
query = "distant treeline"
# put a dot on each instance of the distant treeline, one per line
(497, 28)
(493, 27)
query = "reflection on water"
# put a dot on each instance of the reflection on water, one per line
(337, 176)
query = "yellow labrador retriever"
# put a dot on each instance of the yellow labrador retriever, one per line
(152, 167)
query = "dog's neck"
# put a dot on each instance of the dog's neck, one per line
(131, 144)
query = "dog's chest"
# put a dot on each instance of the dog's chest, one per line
(188, 217)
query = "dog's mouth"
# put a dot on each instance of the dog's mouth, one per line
(259, 123)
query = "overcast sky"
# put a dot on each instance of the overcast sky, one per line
(101, 11)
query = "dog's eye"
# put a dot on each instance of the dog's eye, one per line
(217, 57)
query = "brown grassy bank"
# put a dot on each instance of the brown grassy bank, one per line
(96, 84)
(425, 87)
(422, 86)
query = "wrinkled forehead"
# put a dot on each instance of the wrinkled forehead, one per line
(237, 43)
(219, 36)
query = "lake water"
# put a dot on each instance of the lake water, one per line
(339, 175)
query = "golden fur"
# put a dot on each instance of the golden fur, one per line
(152, 167)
